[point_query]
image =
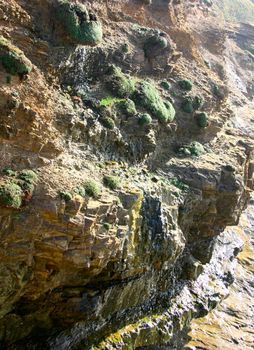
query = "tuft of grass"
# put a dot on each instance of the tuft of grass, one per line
(28, 176)
(109, 101)
(111, 182)
(9, 172)
(92, 188)
(65, 195)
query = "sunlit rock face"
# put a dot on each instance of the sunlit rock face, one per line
(113, 198)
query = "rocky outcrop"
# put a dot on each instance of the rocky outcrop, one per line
(125, 262)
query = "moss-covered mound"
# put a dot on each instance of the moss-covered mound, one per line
(111, 182)
(154, 45)
(185, 84)
(201, 119)
(192, 103)
(127, 107)
(10, 195)
(144, 119)
(122, 85)
(193, 149)
(80, 24)
(13, 59)
(148, 97)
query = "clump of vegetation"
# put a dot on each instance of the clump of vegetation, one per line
(122, 85)
(147, 96)
(92, 188)
(155, 44)
(190, 103)
(11, 195)
(107, 226)
(127, 107)
(250, 48)
(9, 172)
(145, 119)
(107, 122)
(202, 119)
(185, 84)
(80, 24)
(80, 191)
(179, 184)
(28, 176)
(219, 92)
(165, 85)
(111, 182)
(13, 59)
(65, 195)
(193, 149)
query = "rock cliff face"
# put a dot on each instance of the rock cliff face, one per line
(122, 162)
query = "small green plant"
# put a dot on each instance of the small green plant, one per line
(122, 85)
(202, 119)
(197, 102)
(144, 119)
(165, 85)
(11, 195)
(13, 59)
(65, 195)
(185, 84)
(111, 182)
(80, 24)
(127, 107)
(107, 122)
(80, 191)
(28, 176)
(147, 96)
(92, 188)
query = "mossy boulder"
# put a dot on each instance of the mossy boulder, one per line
(111, 182)
(79, 24)
(122, 85)
(10, 195)
(148, 97)
(13, 59)
(201, 119)
(155, 45)
(185, 84)
(144, 119)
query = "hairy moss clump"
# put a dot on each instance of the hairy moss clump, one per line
(12, 59)
(193, 149)
(190, 103)
(147, 96)
(80, 191)
(127, 107)
(165, 85)
(144, 119)
(9, 172)
(109, 101)
(122, 85)
(11, 195)
(92, 188)
(28, 176)
(107, 122)
(185, 84)
(202, 119)
(65, 195)
(155, 45)
(80, 24)
(111, 182)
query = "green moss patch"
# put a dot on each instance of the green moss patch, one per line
(192, 103)
(201, 119)
(185, 84)
(107, 122)
(127, 107)
(92, 188)
(144, 119)
(148, 97)
(13, 59)
(80, 24)
(154, 45)
(193, 149)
